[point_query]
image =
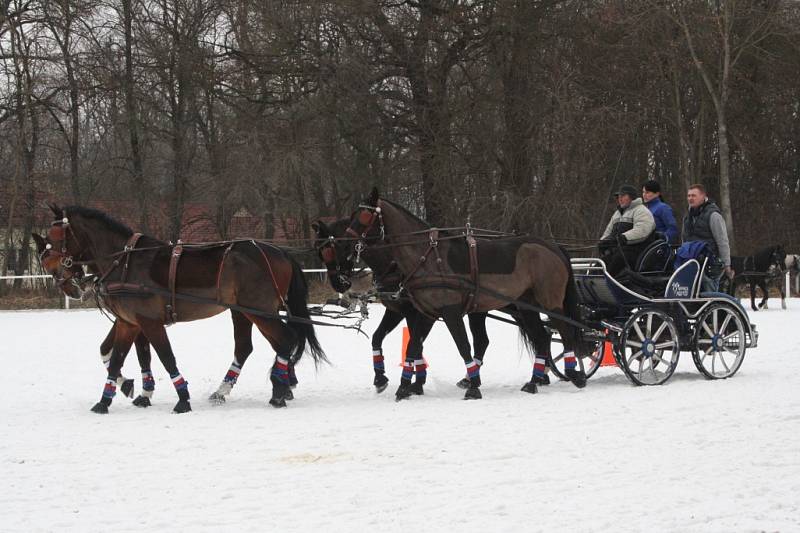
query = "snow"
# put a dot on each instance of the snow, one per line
(691, 455)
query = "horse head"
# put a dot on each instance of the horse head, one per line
(334, 253)
(777, 259)
(67, 274)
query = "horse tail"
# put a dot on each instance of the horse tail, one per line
(525, 322)
(297, 301)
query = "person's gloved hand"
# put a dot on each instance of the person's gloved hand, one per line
(729, 272)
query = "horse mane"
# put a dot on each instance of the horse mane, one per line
(100, 216)
(407, 212)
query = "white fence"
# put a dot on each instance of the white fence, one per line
(30, 280)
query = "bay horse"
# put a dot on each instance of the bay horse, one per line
(332, 250)
(449, 274)
(757, 270)
(147, 284)
(71, 281)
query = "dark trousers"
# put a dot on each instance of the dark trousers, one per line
(619, 257)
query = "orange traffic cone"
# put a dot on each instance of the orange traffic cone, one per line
(608, 354)
(406, 337)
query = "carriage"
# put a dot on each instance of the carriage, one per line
(647, 330)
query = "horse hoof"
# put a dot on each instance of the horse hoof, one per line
(403, 392)
(417, 389)
(182, 407)
(577, 377)
(127, 388)
(217, 398)
(541, 380)
(289, 395)
(142, 401)
(473, 393)
(380, 382)
(100, 408)
(464, 383)
(530, 387)
(277, 402)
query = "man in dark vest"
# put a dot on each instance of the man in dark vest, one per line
(704, 222)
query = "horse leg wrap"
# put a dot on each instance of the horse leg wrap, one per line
(539, 370)
(408, 372)
(474, 373)
(280, 371)
(148, 384)
(233, 375)
(181, 386)
(377, 361)
(109, 390)
(421, 370)
(569, 360)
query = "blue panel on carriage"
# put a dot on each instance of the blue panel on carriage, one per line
(683, 282)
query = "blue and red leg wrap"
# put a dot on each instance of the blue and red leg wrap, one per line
(110, 388)
(233, 373)
(377, 360)
(178, 382)
(569, 360)
(280, 370)
(539, 366)
(473, 369)
(408, 369)
(421, 369)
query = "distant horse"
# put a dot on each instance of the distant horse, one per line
(449, 274)
(757, 270)
(147, 284)
(335, 254)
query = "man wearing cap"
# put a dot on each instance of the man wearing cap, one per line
(628, 233)
(661, 211)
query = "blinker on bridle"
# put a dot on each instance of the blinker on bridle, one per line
(367, 217)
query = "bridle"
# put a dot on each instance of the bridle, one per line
(367, 217)
(327, 252)
(69, 268)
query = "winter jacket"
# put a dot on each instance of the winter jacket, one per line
(665, 220)
(705, 223)
(635, 222)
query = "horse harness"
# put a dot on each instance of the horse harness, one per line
(470, 304)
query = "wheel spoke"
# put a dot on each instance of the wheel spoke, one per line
(666, 344)
(635, 344)
(650, 324)
(725, 323)
(641, 363)
(722, 360)
(708, 330)
(638, 331)
(659, 331)
(729, 350)
(703, 341)
(715, 315)
(558, 358)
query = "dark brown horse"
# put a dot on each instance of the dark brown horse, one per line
(332, 244)
(449, 274)
(148, 284)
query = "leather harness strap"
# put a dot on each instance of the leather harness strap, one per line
(129, 246)
(472, 247)
(172, 311)
(272, 277)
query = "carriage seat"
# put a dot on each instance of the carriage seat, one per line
(657, 258)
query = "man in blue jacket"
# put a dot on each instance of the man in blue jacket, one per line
(662, 212)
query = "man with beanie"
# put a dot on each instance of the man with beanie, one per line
(704, 222)
(628, 233)
(661, 211)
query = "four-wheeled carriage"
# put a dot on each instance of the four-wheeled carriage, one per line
(648, 332)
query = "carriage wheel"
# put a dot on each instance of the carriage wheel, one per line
(719, 341)
(649, 348)
(588, 363)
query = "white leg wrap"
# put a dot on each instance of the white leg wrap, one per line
(225, 388)
(147, 393)
(106, 357)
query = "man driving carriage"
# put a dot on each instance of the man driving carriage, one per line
(628, 233)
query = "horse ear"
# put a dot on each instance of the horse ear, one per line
(40, 242)
(57, 211)
(374, 196)
(320, 228)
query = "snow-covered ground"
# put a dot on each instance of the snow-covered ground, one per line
(692, 455)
